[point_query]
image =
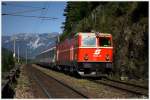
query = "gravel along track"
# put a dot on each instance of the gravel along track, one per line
(88, 87)
(138, 90)
(49, 87)
(23, 89)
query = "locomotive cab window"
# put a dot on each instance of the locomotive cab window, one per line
(88, 41)
(104, 41)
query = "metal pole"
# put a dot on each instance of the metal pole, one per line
(58, 39)
(14, 55)
(18, 54)
(26, 56)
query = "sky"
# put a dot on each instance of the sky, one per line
(16, 24)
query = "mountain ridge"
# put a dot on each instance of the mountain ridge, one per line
(33, 43)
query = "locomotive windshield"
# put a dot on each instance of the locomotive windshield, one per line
(88, 41)
(104, 41)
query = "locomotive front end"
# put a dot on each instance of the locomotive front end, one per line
(95, 54)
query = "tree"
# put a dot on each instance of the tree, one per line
(7, 60)
(75, 12)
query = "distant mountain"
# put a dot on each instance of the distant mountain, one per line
(34, 43)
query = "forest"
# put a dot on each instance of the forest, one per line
(7, 60)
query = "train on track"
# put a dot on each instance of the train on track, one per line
(88, 54)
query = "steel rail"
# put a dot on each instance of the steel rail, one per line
(41, 86)
(118, 87)
(135, 85)
(62, 83)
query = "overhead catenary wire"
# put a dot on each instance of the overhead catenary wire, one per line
(46, 18)
(14, 5)
(26, 11)
(43, 12)
(37, 23)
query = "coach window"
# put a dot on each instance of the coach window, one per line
(104, 41)
(88, 41)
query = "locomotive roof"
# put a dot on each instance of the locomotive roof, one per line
(47, 50)
(92, 33)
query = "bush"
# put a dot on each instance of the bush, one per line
(7, 60)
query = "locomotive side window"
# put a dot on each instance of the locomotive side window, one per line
(88, 41)
(104, 41)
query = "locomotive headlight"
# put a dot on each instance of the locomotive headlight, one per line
(107, 57)
(86, 57)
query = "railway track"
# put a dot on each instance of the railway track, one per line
(144, 87)
(132, 88)
(51, 87)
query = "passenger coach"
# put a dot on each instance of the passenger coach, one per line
(47, 58)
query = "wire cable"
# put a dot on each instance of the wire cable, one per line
(14, 5)
(26, 11)
(46, 18)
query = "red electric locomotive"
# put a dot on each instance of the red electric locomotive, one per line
(89, 54)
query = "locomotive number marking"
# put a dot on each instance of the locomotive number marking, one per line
(97, 52)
